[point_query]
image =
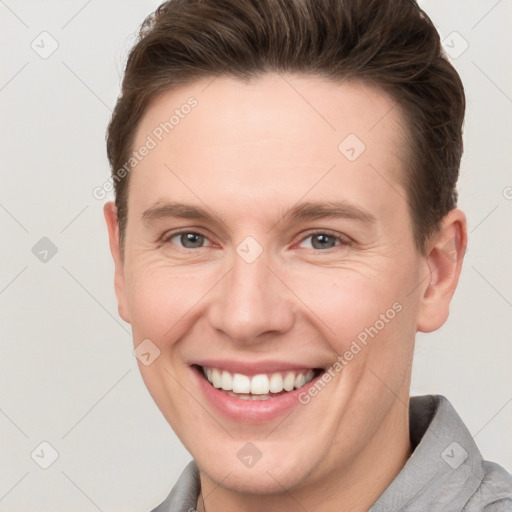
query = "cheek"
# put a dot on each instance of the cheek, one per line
(347, 301)
(366, 316)
(162, 299)
(344, 303)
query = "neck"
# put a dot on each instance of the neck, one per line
(341, 488)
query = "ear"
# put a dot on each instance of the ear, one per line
(110, 212)
(444, 257)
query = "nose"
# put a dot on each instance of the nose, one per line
(251, 303)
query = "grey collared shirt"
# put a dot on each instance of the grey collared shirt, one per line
(445, 473)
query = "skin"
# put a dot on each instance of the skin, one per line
(247, 153)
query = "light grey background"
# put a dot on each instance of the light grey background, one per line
(68, 376)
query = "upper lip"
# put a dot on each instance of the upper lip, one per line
(253, 367)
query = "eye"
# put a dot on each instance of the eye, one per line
(187, 240)
(323, 240)
(320, 240)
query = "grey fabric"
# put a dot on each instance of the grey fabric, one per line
(445, 473)
(184, 494)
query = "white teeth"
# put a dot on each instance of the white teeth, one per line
(226, 381)
(276, 383)
(215, 380)
(258, 386)
(299, 380)
(241, 383)
(289, 381)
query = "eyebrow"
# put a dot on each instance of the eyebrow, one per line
(328, 210)
(302, 211)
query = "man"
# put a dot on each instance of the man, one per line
(285, 222)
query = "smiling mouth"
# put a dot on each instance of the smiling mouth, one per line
(263, 386)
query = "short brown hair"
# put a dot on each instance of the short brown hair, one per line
(391, 44)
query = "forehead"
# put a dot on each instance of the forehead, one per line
(275, 133)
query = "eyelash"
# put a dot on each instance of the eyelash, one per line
(342, 239)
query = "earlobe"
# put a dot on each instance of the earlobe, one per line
(445, 254)
(110, 213)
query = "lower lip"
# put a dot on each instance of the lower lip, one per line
(250, 411)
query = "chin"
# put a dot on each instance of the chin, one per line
(273, 476)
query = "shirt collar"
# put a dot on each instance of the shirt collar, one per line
(445, 467)
(443, 472)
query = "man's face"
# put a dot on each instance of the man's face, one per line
(265, 282)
